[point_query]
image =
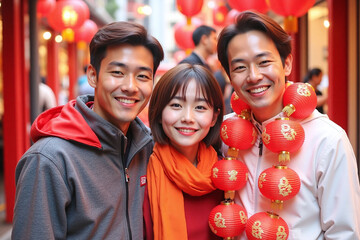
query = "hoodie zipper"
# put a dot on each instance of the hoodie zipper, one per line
(124, 155)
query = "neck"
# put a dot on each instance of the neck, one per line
(190, 152)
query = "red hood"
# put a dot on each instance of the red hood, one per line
(64, 122)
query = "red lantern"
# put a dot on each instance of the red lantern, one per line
(239, 106)
(299, 100)
(68, 14)
(86, 32)
(242, 5)
(189, 7)
(229, 174)
(227, 220)
(266, 226)
(44, 7)
(183, 34)
(279, 183)
(231, 16)
(219, 15)
(291, 9)
(238, 133)
(283, 136)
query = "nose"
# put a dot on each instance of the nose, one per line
(254, 73)
(129, 84)
(188, 116)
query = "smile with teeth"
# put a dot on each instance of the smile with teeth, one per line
(186, 130)
(126, 100)
(258, 90)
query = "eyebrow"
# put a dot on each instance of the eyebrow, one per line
(196, 99)
(237, 60)
(119, 64)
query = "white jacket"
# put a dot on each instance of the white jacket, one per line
(328, 203)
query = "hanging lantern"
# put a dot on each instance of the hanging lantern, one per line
(183, 34)
(219, 14)
(291, 10)
(68, 14)
(238, 133)
(86, 32)
(44, 7)
(228, 219)
(231, 16)
(266, 226)
(229, 174)
(239, 106)
(189, 8)
(283, 136)
(243, 5)
(279, 183)
(299, 100)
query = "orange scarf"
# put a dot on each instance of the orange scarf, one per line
(170, 173)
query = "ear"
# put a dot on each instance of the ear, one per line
(91, 76)
(288, 64)
(215, 116)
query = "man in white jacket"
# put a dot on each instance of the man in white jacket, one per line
(256, 54)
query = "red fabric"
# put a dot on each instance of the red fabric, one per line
(64, 122)
(197, 210)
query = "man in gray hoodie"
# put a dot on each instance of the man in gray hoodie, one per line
(84, 176)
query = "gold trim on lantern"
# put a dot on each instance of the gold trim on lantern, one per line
(229, 195)
(289, 109)
(227, 202)
(282, 118)
(291, 24)
(280, 167)
(229, 158)
(246, 114)
(233, 152)
(277, 204)
(272, 215)
(284, 157)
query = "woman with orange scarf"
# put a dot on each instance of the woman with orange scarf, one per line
(185, 115)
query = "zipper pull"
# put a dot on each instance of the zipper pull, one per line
(260, 147)
(127, 178)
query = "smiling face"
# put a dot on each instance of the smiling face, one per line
(186, 120)
(123, 85)
(257, 73)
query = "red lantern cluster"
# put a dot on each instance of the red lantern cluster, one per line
(228, 220)
(299, 100)
(279, 183)
(219, 14)
(44, 7)
(266, 226)
(283, 136)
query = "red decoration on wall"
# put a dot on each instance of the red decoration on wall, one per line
(238, 133)
(86, 32)
(299, 100)
(242, 5)
(68, 14)
(228, 219)
(239, 106)
(279, 183)
(183, 34)
(44, 7)
(266, 226)
(283, 136)
(229, 174)
(189, 7)
(219, 14)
